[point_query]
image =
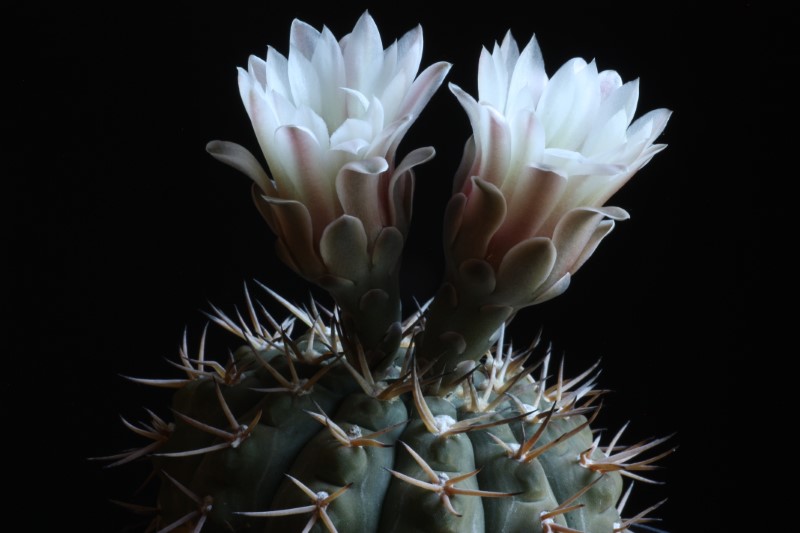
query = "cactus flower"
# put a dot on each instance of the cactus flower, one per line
(544, 157)
(329, 118)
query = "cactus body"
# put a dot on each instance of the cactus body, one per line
(302, 436)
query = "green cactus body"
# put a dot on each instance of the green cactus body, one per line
(415, 509)
(298, 438)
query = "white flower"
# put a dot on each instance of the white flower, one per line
(329, 119)
(545, 156)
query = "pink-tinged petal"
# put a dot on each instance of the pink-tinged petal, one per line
(453, 218)
(297, 235)
(402, 201)
(603, 229)
(470, 105)
(264, 208)
(304, 38)
(401, 187)
(574, 231)
(529, 205)
(523, 270)
(358, 188)
(556, 289)
(386, 252)
(483, 215)
(343, 248)
(285, 255)
(363, 54)
(494, 144)
(242, 160)
(414, 158)
(423, 88)
(303, 168)
(467, 163)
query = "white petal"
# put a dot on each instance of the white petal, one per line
(528, 79)
(650, 125)
(356, 104)
(305, 117)
(527, 141)
(393, 95)
(351, 129)
(328, 64)
(257, 68)
(607, 136)
(385, 142)
(245, 80)
(568, 104)
(490, 89)
(623, 98)
(375, 116)
(363, 54)
(609, 81)
(303, 81)
(356, 147)
(423, 88)
(304, 38)
(409, 52)
(277, 73)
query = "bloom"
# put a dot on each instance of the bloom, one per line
(544, 157)
(329, 118)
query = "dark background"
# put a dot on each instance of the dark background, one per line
(122, 228)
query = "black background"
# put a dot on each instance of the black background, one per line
(122, 228)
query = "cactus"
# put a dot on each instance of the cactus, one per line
(349, 419)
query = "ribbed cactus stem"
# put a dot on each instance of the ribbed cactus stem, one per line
(297, 434)
(462, 321)
(370, 316)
